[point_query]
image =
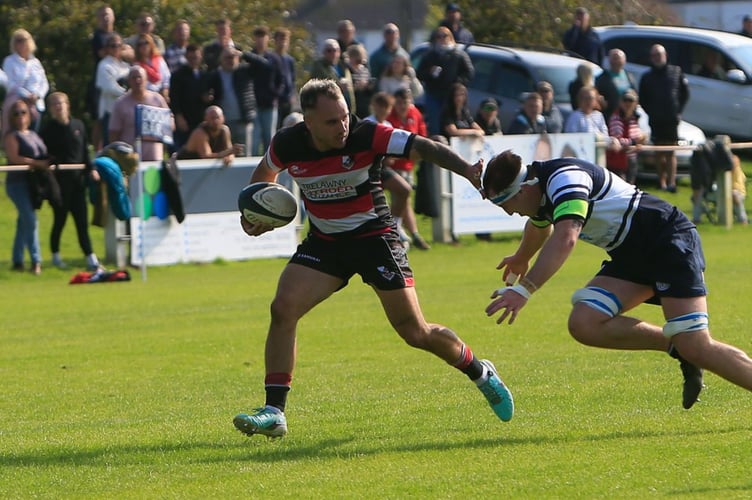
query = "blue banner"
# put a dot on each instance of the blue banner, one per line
(154, 124)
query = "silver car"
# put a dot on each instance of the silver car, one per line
(719, 103)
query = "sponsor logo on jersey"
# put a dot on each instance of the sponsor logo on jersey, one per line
(662, 287)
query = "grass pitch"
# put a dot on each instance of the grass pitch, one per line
(127, 390)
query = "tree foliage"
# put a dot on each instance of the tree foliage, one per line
(542, 22)
(62, 28)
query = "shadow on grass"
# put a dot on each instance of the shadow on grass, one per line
(259, 449)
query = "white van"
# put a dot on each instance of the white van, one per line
(720, 103)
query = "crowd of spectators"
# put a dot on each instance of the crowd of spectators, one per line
(227, 101)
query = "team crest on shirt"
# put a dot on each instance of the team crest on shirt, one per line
(295, 170)
(661, 287)
(348, 162)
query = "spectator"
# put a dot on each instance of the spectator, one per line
(27, 79)
(213, 50)
(287, 92)
(381, 57)
(189, 94)
(122, 125)
(456, 119)
(664, 92)
(488, 116)
(551, 111)
(105, 27)
(711, 67)
(112, 74)
(267, 83)
(400, 74)
(406, 116)
(581, 39)
(613, 82)
(382, 105)
(330, 67)
(211, 139)
(625, 133)
(150, 58)
(345, 38)
(145, 26)
(453, 21)
(175, 53)
(442, 66)
(67, 143)
(739, 191)
(24, 147)
(233, 89)
(746, 26)
(363, 84)
(584, 79)
(586, 118)
(529, 119)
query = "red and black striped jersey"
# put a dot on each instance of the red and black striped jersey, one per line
(341, 188)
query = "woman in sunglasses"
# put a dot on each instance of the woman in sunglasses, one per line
(23, 146)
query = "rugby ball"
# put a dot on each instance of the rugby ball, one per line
(267, 203)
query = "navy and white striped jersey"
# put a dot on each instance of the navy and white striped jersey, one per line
(610, 208)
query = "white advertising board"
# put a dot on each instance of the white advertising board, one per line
(471, 213)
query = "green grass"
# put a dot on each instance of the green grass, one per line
(128, 389)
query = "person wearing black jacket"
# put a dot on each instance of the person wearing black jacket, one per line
(664, 92)
(239, 105)
(189, 96)
(613, 82)
(67, 143)
(442, 66)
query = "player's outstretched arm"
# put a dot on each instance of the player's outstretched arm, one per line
(445, 157)
(516, 265)
(555, 251)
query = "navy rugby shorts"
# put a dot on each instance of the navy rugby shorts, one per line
(673, 264)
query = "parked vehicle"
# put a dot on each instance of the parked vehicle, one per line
(506, 73)
(718, 105)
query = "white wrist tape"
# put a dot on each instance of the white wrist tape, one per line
(521, 290)
(512, 278)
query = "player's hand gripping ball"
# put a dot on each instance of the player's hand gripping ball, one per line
(267, 203)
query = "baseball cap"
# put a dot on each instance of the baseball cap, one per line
(453, 7)
(489, 104)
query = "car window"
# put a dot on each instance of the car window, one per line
(708, 62)
(637, 49)
(484, 70)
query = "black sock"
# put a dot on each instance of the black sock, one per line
(474, 370)
(277, 396)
